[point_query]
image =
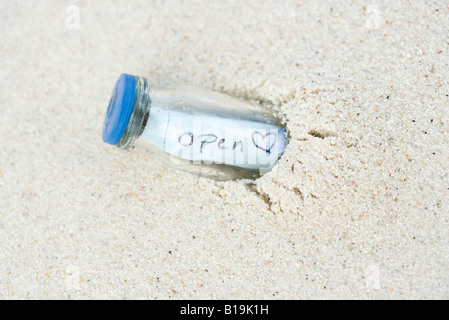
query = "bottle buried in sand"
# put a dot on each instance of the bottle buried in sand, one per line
(193, 129)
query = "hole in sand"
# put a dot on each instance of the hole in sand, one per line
(322, 134)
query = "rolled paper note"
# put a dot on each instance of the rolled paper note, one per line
(212, 139)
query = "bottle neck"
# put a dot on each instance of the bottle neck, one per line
(139, 115)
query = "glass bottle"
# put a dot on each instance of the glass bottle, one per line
(193, 129)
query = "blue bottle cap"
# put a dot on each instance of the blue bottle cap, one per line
(119, 109)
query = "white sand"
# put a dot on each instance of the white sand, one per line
(360, 212)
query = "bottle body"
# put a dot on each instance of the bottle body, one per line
(203, 132)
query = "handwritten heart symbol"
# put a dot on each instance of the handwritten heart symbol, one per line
(257, 133)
